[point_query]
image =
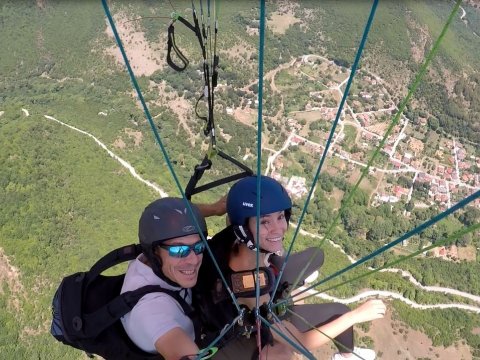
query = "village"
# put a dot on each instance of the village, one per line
(445, 177)
(412, 168)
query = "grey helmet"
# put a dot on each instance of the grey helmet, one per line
(165, 219)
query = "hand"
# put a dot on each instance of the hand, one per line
(220, 206)
(370, 310)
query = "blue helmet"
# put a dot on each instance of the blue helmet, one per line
(242, 199)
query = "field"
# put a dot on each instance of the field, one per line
(65, 201)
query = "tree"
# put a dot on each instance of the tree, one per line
(380, 229)
(470, 216)
(410, 206)
(404, 181)
(354, 219)
(465, 240)
(326, 185)
(254, 88)
(433, 123)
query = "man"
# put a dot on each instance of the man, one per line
(172, 255)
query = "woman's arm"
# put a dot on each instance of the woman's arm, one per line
(313, 339)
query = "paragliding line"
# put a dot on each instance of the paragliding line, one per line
(259, 163)
(446, 241)
(327, 145)
(162, 147)
(405, 236)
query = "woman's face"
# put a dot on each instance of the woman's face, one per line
(271, 232)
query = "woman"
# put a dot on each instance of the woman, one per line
(235, 250)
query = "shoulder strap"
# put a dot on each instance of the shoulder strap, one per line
(114, 257)
(107, 315)
(220, 246)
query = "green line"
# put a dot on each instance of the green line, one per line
(462, 203)
(448, 240)
(306, 353)
(222, 333)
(336, 342)
(358, 56)
(395, 120)
(279, 323)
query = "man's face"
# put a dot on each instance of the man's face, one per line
(271, 232)
(183, 271)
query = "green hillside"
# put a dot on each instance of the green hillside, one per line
(65, 201)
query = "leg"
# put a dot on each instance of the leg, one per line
(244, 348)
(240, 348)
(320, 314)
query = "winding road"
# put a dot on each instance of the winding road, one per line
(406, 275)
(124, 163)
(358, 297)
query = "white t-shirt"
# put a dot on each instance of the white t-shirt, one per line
(156, 313)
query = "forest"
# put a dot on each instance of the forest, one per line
(65, 202)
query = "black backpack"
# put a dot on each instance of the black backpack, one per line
(87, 308)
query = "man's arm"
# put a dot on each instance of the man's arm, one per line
(175, 345)
(217, 208)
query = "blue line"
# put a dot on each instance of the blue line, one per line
(162, 147)
(259, 141)
(405, 236)
(330, 137)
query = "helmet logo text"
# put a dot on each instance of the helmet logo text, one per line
(247, 204)
(188, 228)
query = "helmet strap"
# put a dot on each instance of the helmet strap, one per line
(156, 265)
(245, 236)
(266, 259)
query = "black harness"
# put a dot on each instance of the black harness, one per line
(87, 308)
(211, 298)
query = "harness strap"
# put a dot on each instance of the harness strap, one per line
(215, 70)
(196, 29)
(172, 45)
(97, 321)
(114, 257)
(201, 116)
(207, 93)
